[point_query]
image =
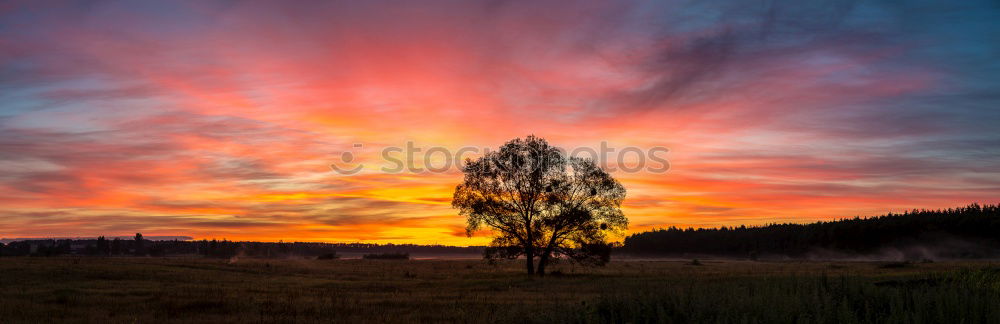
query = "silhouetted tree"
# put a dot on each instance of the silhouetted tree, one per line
(116, 246)
(140, 246)
(103, 248)
(540, 203)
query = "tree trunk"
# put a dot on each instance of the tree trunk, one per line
(542, 260)
(529, 247)
(530, 257)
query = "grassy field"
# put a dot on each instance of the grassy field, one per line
(190, 290)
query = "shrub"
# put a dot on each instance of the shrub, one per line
(387, 256)
(328, 256)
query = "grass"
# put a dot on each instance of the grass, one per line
(191, 290)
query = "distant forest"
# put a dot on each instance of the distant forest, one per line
(138, 246)
(960, 233)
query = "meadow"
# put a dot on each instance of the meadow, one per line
(206, 290)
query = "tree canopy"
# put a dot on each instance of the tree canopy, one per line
(540, 203)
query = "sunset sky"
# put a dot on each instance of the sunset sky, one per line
(219, 119)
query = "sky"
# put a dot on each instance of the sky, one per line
(221, 119)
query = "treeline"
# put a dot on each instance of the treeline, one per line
(966, 232)
(139, 246)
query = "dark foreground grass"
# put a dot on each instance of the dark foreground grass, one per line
(151, 290)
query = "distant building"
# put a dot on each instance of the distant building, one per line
(77, 247)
